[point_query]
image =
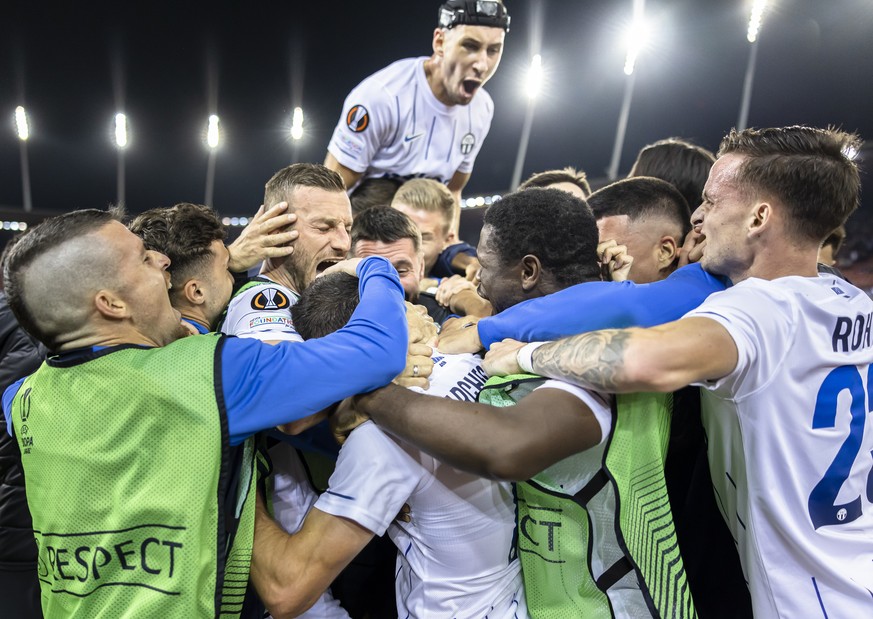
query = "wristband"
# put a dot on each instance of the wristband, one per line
(524, 356)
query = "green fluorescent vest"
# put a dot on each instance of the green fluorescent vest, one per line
(128, 475)
(609, 550)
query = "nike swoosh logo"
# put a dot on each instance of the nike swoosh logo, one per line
(409, 138)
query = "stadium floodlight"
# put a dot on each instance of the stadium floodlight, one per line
(755, 19)
(120, 130)
(534, 83)
(637, 36)
(297, 124)
(636, 39)
(121, 143)
(533, 86)
(212, 132)
(21, 124)
(212, 140)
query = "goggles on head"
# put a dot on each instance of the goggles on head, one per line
(473, 13)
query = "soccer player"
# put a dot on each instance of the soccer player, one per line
(426, 117)
(192, 237)
(784, 359)
(649, 217)
(384, 231)
(137, 442)
(457, 554)
(588, 457)
(679, 162)
(261, 308)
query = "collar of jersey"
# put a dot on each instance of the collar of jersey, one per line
(83, 355)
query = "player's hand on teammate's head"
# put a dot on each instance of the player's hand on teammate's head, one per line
(460, 335)
(692, 248)
(502, 358)
(615, 262)
(419, 366)
(269, 234)
(349, 266)
(345, 419)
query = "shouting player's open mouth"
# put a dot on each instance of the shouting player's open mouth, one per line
(470, 86)
(326, 264)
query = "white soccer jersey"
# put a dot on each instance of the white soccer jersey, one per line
(790, 443)
(262, 312)
(457, 556)
(393, 125)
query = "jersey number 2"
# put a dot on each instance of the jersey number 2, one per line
(823, 509)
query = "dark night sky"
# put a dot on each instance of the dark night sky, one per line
(815, 66)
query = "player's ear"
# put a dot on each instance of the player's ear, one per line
(439, 41)
(110, 305)
(531, 272)
(668, 251)
(761, 216)
(193, 292)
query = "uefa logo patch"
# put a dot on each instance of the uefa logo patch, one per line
(467, 143)
(270, 299)
(358, 118)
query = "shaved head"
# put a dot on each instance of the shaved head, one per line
(53, 271)
(59, 286)
(83, 279)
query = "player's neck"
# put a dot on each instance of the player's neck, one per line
(194, 314)
(780, 262)
(281, 277)
(433, 73)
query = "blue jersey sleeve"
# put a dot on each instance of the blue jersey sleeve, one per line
(602, 305)
(265, 386)
(8, 396)
(443, 266)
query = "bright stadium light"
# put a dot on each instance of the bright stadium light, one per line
(120, 130)
(534, 83)
(23, 129)
(212, 132)
(636, 39)
(212, 140)
(297, 124)
(755, 19)
(21, 124)
(120, 142)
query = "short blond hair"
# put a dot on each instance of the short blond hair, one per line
(425, 194)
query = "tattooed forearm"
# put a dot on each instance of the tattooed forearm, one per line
(591, 360)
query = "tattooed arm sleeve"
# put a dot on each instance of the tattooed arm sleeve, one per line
(662, 358)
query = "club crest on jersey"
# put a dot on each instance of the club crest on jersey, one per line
(358, 118)
(467, 143)
(270, 299)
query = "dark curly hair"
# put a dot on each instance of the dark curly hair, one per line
(553, 225)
